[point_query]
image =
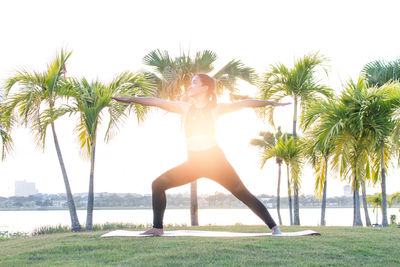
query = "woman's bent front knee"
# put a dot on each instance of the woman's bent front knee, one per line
(157, 185)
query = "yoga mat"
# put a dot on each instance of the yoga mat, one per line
(124, 233)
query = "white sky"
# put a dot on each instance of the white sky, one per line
(109, 37)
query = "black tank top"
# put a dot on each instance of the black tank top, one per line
(200, 121)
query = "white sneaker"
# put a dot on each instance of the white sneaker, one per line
(276, 230)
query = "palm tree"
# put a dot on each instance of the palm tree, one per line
(372, 122)
(290, 151)
(325, 118)
(364, 199)
(380, 122)
(353, 145)
(319, 145)
(38, 90)
(5, 127)
(267, 142)
(90, 100)
(384, 76)
(336, 132)
(6, 123)
(173, 76)
(393, 197)
(301, 84)
(376, 202)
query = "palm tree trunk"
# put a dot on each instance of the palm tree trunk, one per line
(278, 194)
(75, 225)
(323, 208)
(383, 185)
(356, 199)
(194, 216)
(90, 204)
(289, 195)
(295, 117)
(365, 205)
(296, 209)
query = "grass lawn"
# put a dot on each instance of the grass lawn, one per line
(338, 246)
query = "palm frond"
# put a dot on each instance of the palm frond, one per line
(379, 72)
(393, 197)
(204, 60)
(6, 124)
(229, 74)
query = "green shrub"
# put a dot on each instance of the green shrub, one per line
(7, 234)
(51, 230)
(393, 219)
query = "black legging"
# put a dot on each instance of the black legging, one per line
(211, 164)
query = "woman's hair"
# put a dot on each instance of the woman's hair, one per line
(210, 83)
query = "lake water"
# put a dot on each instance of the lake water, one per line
(27, 221)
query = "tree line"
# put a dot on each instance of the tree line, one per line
(356, 132)
(138, 201)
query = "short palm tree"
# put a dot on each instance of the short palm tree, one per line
(318, 153)
(268, 141)
(90, 100)
(376, 202)
(301, 84)
(319, 144)
(37, 91)
(393, 197)
(290, 151)
(173, 76)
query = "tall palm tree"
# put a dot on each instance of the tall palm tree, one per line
(337, 132)
(173, 77)
(301, 84)
(379, 122)
(38, 90)
(352, 146)
(267, 141)
(372, 121)
(326, 123)
(90, 99)
(382, 75)
(290, 151)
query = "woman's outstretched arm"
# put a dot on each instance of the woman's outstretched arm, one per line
(224, 108)
(171, 106)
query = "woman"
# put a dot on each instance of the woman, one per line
(205, 158)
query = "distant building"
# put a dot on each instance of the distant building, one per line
(347, 191)
(24, 189)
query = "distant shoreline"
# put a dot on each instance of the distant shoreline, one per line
(175, 208)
